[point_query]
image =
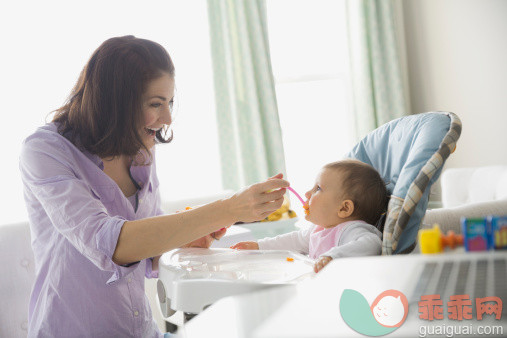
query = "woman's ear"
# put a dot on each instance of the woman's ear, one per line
(346, 209)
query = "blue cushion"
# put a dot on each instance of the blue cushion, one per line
(398, 150)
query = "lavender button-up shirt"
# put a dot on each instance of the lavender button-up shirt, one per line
(76, 213)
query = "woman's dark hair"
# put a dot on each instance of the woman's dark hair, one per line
(362, 184)
(103, 113)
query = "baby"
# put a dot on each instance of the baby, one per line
(348, 197)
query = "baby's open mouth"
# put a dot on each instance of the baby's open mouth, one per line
(306, 206)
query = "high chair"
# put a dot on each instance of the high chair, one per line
(409, 154)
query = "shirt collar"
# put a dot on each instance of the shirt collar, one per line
(92, 157)
(95, 159)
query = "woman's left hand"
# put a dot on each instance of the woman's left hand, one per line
(205, 242)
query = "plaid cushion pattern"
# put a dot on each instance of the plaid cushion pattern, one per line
(399, 209)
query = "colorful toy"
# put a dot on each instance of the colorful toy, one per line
(477, 234)
(429, 240)
(434, 241)
(452, 240)
(289, 259)
(498, 226)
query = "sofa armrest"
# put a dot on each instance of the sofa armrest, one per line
(450, 218)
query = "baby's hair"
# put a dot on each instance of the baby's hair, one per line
(362, 184)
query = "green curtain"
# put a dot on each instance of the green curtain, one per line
(378, 82)
(249, 130)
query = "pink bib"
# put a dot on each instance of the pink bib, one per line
(322, 239)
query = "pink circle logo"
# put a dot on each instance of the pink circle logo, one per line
(390, 308)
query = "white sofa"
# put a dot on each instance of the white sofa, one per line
(462, 186)
(16, 278)
(469, 192)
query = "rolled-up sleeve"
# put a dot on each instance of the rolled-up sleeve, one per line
(75, 211)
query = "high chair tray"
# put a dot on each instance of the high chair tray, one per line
(190, 279)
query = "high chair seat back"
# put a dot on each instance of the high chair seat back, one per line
(409, 154)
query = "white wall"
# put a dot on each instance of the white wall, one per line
(457, 61)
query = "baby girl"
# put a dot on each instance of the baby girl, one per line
(348, 197)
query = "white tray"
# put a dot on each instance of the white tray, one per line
(191, 279)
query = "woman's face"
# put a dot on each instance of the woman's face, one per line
(157, 104)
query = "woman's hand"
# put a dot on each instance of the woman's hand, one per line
(321, 263)
(259, 200)
(246, 246)
(206, 241)
(153, 236)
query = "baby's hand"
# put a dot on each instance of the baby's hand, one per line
(246, 246)
(321, 263)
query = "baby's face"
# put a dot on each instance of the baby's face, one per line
(324, 199)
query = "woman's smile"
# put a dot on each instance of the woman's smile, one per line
(152, 131)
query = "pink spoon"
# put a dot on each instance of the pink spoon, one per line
(297, 195)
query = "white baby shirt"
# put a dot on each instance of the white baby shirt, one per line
(349, 239)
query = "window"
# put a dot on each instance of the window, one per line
(49, 42)
(308, 47)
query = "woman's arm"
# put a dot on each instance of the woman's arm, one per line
(153, 236)
(107, 241)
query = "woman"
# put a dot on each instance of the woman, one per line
(91, 191)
